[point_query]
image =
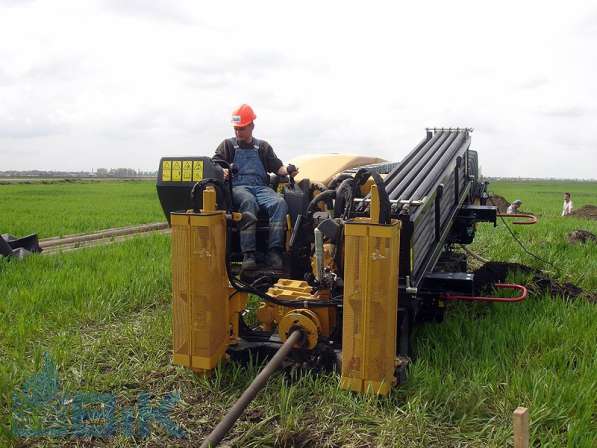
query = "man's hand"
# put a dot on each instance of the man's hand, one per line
(290, 171)
(226, 173)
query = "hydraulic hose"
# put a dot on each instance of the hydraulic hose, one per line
(323, 196)
(337, 180)
(220, 193)
(242, 287)
(385, 208)
(343, 196)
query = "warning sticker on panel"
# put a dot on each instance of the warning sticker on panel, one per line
(176, 170)
(197, 170)
(166, 171)
(187, 170)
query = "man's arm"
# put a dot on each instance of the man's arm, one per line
(222, 155)
(273, 164)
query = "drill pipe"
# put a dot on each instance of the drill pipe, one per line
(220, 431)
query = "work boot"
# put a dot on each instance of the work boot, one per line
(249, 263)
(274, 259)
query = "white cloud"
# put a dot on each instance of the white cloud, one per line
(121, 83)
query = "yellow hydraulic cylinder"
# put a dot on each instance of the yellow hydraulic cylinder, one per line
(200, 287)
(370, 306)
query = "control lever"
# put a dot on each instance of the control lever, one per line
(291, 169)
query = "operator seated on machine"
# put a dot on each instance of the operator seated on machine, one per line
(252, 160)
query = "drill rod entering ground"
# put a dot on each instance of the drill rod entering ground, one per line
(220, 431)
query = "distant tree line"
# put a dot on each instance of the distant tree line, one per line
(122, 172)
(100, 172)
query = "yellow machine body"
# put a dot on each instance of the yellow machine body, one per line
(270, 315)
(206, 307)
(370, 306)
(205, 320)
(304, 319)
(323, 167)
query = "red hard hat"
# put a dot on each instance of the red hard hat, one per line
(243, 116)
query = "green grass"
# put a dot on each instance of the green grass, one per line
(548, 239)
(58, 209)
(103, 315)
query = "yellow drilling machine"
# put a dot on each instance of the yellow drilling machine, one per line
(369, 253)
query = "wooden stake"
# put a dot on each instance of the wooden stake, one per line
(520, 420)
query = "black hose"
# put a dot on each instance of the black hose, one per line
(337, 180)
(343, 196)
(250, 335)
(242, 287)
(385, 208)
(221, 199)
(323, 196)
(226, 165)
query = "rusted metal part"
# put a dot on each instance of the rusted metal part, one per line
(531, 219)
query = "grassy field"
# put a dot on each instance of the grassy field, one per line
(548, 238)
(63, 208)
(102, 314)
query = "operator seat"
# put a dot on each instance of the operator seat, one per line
(296, 196)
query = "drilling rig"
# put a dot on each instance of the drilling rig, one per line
(369, 253)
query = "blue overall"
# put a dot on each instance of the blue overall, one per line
(250, 191)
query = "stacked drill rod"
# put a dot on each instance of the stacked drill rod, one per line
(427, 189)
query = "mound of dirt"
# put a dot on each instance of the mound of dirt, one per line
(500, 202)
(581, 236)
(586, 211)
(496, 272)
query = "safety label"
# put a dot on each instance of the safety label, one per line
(187, 170)
(166, 171)
(176, 170)
(197, 170)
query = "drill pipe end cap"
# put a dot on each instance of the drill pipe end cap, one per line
(303, 320)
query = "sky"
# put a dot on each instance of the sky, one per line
(121, 83)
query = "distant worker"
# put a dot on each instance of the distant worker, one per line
(567, 209)
(252, 160)
(513, 208)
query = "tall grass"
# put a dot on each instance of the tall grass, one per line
(548, 239)
(103, 315)
(57, 209)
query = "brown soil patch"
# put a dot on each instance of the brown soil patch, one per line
(496, 272)
(581, 236)
(586, 211)
(500, 202)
